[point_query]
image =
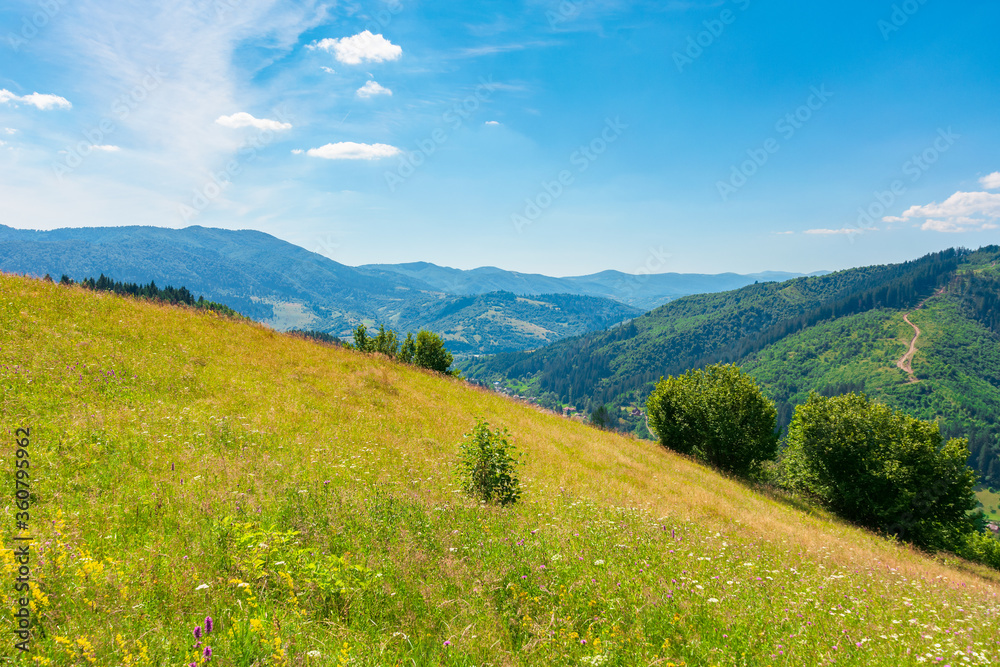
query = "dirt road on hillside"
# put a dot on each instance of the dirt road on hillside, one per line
(906, 362)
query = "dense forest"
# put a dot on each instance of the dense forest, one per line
(831, 334)
(622, 364)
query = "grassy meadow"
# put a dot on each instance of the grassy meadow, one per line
(186, 466)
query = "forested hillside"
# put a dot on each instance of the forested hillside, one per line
(835, 333)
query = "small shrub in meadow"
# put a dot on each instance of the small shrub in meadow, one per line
(488, 465)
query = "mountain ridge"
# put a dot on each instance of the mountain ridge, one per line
(288, 287)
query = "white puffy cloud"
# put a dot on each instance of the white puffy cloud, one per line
(9, 130)
(328, 70)
(961, 212)
(492, 122)
(243, 119)
(349, 150)
(991, 182)
(363, 47)
(37, 100)
(371, 89)
(107, 148)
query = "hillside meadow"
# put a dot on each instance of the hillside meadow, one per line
(185, 466)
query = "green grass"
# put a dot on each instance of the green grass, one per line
(304, 496)
(990, 500)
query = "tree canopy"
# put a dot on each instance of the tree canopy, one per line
(881, 468)
(718, 415)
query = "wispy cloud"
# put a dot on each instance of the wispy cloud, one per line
(493, 49)
(372, 89)
(37, 100)
(363, 47)
(158, 75)
(847, 231)
(348, 150)
(243, 119)
(961, 212)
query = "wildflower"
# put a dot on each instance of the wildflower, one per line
(208, 653)
(208, 624)
(197, 632)
(314, 653)
(447, 643)
(201, 587)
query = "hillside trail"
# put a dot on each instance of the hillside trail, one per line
(905, 363)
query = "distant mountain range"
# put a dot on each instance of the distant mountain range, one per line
(287, 286)
(641, 291)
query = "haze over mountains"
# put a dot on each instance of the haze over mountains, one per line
(287, 286)
(644, 291)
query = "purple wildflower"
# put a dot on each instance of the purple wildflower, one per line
(208, 624)
(197, 632)
(208, 653)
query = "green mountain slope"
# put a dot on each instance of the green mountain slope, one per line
(834, 333)
(502, 321)
(185, 466)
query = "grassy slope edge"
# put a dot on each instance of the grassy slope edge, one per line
(154, 429)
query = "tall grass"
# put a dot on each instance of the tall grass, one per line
(304, 497)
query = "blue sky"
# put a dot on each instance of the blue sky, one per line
(553, 136)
